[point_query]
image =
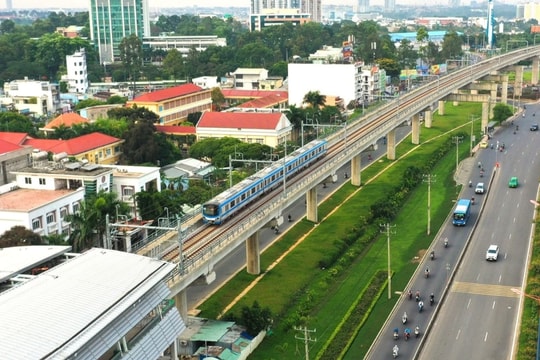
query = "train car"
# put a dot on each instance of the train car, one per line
(226, 204)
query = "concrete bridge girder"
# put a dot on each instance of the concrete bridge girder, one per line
(487, 109)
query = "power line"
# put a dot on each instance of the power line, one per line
(306, 337)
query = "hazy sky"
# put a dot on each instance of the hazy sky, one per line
(153, 3)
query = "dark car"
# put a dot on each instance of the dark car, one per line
(534, 127)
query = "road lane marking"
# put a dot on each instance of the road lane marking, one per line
(484, 289)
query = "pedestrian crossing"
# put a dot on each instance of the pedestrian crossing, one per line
(485, 289)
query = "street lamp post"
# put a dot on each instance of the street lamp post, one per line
(429, 179)
(386, 229)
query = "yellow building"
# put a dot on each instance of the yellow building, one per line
(173, 105)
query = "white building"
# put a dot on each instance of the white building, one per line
(33, 96)
(183, 44)
(206, 82)
(327, 54)
(350, 82)
(77, 75)
(129, 180)
(248, 79)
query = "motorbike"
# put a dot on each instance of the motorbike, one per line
(417, 331)
(409, 293)
(289, 217)
(446, 242)
(432, 255)
(407, 334)
(395, 351)
(431, 299)
(472, 201)
(470, 183)
(417, 296)
(396, 333)
(420, 306)
(276, 230)
(404, 318)
(426, 273)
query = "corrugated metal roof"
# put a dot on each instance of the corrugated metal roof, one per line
(68, 305)
(19, 259)
(237, 120)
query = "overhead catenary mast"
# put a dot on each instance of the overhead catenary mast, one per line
(489, 25)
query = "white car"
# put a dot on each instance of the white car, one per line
(492, 253)
(480, 189)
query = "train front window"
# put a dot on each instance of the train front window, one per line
(210, 209)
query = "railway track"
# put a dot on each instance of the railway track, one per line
(343, 146)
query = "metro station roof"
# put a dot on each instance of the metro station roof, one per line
(60, 310)
(19, 259)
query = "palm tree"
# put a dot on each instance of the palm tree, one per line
(315, 99)
(83, 227)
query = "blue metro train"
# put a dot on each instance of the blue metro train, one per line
(229, 202)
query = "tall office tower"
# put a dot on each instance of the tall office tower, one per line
(389, 5)
(113, 20)
(9, 4)
(363, 6)
(312, 7)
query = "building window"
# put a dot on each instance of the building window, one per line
(108, 152)
(51, 218)
(42, 181)
(63, 213)
(127, 191)
(76, 207)
(36, 224)
(27, 180)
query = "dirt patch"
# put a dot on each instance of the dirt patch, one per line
(419, 256)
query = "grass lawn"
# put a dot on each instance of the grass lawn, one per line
(298, 279)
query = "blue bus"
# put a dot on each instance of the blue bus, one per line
(462, 212)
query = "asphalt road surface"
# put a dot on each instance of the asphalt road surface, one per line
(477, 317)
(480, 314)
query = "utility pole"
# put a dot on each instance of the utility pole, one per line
(457, 140)
(386, 229)
(306, 338)
(429, 179)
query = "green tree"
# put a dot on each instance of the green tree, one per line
(391, 66)
(256, 318)
(89, 223)
(217, 98)
(131, 55)
(501, 112)
(173, 64)
(19, 236)
(7, 26)
(314, 99)
(422, 36)
(451, 46)
(406, 55)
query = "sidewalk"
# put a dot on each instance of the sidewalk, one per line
(465, 170)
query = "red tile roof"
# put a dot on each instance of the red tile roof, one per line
(265, 102)
(7, 147)
(252, 94)
(248, 120)
(170, 129)
(73, 146)
(169, 93)
(13, 137)
(67, 119)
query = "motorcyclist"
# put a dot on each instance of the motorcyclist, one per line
(409, 293)
(396, 333)
(404, 318)
(395, 351)
(420, 306)
(445, 242)
(407, 333)
(432, 255)
(417, 296)
(431, 299)
(289, 217)
(417, 331)
(470, 183)
(426, 272)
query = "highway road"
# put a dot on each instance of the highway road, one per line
(480, 314)
(477, 318)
